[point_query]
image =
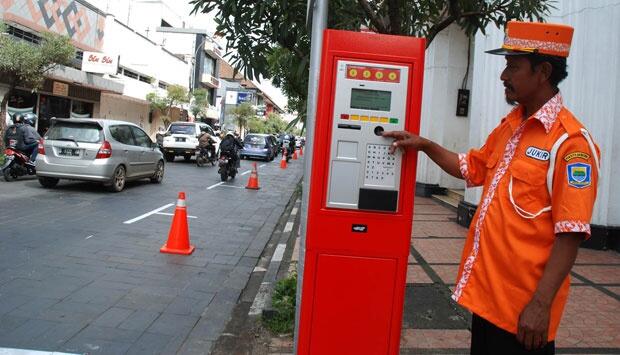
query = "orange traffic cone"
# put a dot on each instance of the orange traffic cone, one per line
(295, 154)
(301, 151)
(253, 182)
(178, 237)
(283, 161)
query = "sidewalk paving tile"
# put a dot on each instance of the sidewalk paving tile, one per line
(599, 274)
(439, 250)
(435, 338)
(415, 274)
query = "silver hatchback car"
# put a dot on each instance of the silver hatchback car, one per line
(100, 150)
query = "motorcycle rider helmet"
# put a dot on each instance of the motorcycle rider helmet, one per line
(30, 118)
(18, 118)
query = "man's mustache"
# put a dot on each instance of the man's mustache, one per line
(508, 86)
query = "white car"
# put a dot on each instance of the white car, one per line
(181, 138)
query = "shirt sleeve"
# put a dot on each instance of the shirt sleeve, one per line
(474, 164)
(575, 180)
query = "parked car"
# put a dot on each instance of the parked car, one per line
(101, 150)
(181, 138)
(258, 146)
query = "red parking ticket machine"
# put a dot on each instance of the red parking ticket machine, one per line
(360, 208)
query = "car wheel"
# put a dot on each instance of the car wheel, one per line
(118, 180)
(187, 157)
(158, 175)
(48, 181)
(169, 157)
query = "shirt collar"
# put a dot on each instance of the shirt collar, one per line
(547, 114)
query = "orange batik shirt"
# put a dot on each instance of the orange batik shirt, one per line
(518, 219)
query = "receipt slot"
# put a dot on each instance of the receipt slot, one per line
(360, 206)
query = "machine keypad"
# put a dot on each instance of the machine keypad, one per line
(380, 165)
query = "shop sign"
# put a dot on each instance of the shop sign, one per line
(94, 62)
(60, 89)
(244, 97)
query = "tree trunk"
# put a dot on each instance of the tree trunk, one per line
(3, 110)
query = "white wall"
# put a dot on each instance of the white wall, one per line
(445, 65)
(591, 90)
(142, 56)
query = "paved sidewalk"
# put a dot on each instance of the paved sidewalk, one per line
(434, 324)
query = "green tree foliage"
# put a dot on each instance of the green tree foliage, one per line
(275, 124)
(25, 64)
(200, 102)
(256, 125)
(175, 95)
(270, 38)
(242, 115)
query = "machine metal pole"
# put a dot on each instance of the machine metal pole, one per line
(317, 15)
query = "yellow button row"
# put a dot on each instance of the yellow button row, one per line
(369, 119)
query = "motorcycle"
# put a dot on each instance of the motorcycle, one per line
(206, 155)
(286, 149)
(227, 166)
(16, 163)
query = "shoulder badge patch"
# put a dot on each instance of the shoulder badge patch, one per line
(537, 153)
(579, 175)
(573, 155)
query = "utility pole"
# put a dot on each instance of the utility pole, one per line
(317, 16)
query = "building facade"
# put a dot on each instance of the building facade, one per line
(147, 60)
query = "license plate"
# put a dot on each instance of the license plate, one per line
(179, 139)
(69, 152)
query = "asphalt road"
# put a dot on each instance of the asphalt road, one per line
(81, 272)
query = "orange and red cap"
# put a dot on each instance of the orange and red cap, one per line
(536, 37)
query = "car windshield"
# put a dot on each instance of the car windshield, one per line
(75, 131)
(183, 129)
(250, 139)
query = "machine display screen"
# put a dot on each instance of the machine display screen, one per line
(371, 99)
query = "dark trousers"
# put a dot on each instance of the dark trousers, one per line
(487, 339)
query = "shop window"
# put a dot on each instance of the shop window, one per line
(145, 79)
(81, 109)
(130, 74)
(209, 66)
(162, 85)
(23, 35)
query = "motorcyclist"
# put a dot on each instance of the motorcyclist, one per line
(15, 133)
(206, 142)
(290, 148)
(231, 145)
(30, 136)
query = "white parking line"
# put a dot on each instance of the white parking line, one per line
(245, 172)
(172, 214)
(262, 166)
(279, 253)
(234, 187)
(215, 185)
(148, 214)
(288, 227)
(90, 236)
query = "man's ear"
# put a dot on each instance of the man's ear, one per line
(545, 69)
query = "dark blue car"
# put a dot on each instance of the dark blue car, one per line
(259, 146)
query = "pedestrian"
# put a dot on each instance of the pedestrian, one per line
(539, 171)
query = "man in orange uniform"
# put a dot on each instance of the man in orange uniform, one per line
(539, 172)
